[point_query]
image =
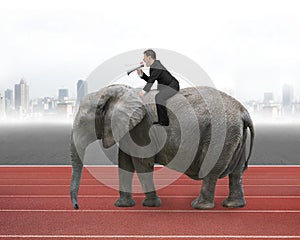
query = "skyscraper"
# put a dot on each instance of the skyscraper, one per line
(287, 94)
(63, 94)
(22, 97)
(9, 100)
(287, 98)
(2, 106)
(81, 90)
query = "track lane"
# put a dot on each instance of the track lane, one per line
(166, 191)
(121, 223)
(169, 203)
(111, 172)
(152, 237)
(223, 181)
(52, 213)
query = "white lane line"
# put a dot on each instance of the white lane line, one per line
(115, 178)
(70, 166)
(28, 166)
(155, 236)
(156, 179)
(134, 185)
(148, 211)
(156, 166)
(135, 196)
(275, 166)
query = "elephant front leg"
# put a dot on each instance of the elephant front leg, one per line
(151, 199)
(236, 193)
(145, 168)
(207, 194)
(126, 171)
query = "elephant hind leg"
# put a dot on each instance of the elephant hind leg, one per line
(236, 197)
(207, 194)
(206, 198)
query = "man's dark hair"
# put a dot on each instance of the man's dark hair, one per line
(151, 53)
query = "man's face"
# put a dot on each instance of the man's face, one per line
(148, 60)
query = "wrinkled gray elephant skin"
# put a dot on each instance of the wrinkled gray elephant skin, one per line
(116, 114)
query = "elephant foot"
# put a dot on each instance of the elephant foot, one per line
(202, 204)
(152, 200)
(125, 200)
(234, 203)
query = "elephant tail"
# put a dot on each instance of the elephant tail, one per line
(248, 124)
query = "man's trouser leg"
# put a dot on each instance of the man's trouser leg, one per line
(161, 99)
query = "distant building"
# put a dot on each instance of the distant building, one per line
(268, 97)
(271, 110)
(63, 94)
(287, 98)
(287, 95)
(42, 105)
(9, 100)
(296, 107)
(82, 90)
(2, 106)
(65, 109)
(22, 97)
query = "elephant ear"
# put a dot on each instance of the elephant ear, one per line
(122, 114)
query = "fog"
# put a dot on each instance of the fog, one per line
(250, 48)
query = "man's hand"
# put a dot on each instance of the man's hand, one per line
(139, 72)
(141, 93)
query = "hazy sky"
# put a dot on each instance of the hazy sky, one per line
(248, 46)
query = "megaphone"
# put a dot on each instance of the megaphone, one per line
(136, 68)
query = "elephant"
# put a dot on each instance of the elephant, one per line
(116, 114)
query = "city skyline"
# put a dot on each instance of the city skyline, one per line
(63, 108)
(73, 94)
(276, 89)
(18, 104)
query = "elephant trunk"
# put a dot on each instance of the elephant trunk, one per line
(76, 175)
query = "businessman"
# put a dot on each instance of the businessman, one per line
(167, 85)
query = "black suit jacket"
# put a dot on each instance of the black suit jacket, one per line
(161, 74)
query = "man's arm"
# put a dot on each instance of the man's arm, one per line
(151, 79)
(144, 76)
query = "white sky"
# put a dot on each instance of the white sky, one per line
(249, 46)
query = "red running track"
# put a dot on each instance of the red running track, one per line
(35, 204)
